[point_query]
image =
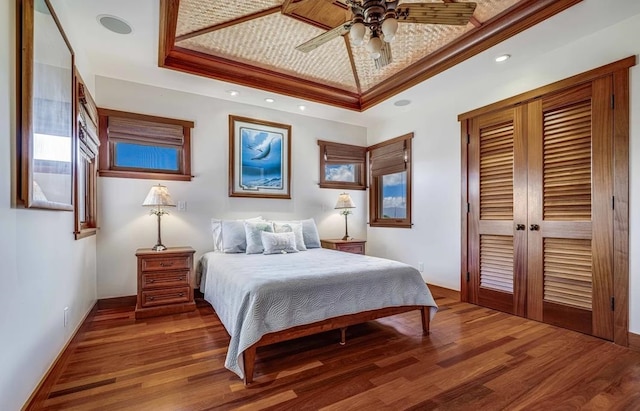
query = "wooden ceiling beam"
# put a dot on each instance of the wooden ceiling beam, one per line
(229, 23)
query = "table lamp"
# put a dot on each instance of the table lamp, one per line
(158, 198)
(345, 204)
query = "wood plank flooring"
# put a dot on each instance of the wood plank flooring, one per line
(474, 359)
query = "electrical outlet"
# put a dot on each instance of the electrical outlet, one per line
(421, 266)
(66, 316)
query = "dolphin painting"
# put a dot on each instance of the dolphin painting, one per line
(263, 149)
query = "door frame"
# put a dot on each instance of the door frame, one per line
(619, 71)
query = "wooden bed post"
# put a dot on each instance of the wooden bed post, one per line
(424, 311)
(249, 360)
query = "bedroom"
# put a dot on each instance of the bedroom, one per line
(46, 270)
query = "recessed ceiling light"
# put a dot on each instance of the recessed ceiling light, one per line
(269, 100)
(401, 103)
(114, 24)
(502, 58)
(302, 108)
(233, 93)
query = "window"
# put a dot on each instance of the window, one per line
(342, 166)
(390, 189)
(86, 208)
(141, 146)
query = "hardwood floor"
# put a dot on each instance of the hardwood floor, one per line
(474, 359)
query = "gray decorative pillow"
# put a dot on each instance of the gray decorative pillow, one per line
(278, 243)
(233, 236)
(310, 233)
(218, 237)
(291, 227)
(253, 231)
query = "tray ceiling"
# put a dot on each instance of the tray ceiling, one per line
(253, 44)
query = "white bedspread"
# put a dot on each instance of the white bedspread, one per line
(258, 294)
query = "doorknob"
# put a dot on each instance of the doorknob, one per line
(519, 226)
(534, 227)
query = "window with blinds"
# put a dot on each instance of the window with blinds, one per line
(141, 146)
(390, 190)
(342, 165)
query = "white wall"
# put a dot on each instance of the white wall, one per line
(435, 237)
(125, 225)
(43, 268)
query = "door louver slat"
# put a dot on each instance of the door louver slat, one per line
(496, 262)
(567, 163)
(568, 272)
(496, 172)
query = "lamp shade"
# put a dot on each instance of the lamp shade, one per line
(158, 197)
(389, 28)
(344, 201)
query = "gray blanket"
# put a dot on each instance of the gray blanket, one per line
(257, 294)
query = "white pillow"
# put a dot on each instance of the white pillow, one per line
(291, 227)
(310, 233)
(218, 236)
(278, 243)
(253, 231)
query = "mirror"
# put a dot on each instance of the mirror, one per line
(46, 142)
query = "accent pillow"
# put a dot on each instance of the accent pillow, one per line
(253, 231)
(310, 233)
(233, 227)
(291, 227)
(278, 243)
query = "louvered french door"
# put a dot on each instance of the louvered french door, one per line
(540, 188)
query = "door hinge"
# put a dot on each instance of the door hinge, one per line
(613, 304)
(468, 276)
(468, 138)
(468, 207)
(613, 202)
(613, 101)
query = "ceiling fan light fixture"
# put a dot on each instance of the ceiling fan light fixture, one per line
(374, 46)
(389, 27)
(356, 33)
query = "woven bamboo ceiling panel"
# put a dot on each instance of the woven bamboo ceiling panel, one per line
(254, 43)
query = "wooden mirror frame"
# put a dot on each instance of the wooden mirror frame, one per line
(27, 113)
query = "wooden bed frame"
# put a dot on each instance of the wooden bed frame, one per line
(342, 322)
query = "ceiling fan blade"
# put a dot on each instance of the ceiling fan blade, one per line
(318, 41)
(385, 56)
(457, 14)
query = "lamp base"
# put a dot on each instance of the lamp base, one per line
(159, 247)
(345, 238)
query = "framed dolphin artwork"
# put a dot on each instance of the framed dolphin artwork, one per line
(259, 158)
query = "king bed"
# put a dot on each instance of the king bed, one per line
(263, 299)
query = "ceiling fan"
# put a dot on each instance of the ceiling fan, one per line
(382, 18)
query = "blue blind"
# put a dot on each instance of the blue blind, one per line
(143, 156)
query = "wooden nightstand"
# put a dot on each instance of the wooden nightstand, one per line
(164, 281)
(350, 246)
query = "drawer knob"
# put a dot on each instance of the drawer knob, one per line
(163, 264)
(181, 294)
(151, 298)
(150, 281)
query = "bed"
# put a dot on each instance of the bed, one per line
(263, 299)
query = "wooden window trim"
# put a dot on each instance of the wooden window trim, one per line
(375, 200)
(360, 184)
(85, 146)
(107, 152)
(620, 72)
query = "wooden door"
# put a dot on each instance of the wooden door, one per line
(540, 185)
(570, 212)
(497, 198)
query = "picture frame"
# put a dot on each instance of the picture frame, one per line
(259, 158)
(46, 109)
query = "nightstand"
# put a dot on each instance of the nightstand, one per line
(350, 246)
(164, 281)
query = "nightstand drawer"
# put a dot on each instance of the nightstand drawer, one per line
(351, 248)
(165, 296)
(165, 279)
(168, 263)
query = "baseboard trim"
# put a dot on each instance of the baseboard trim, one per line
(444, 292)
(117, 302)
(634, 341)
(35, 401)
